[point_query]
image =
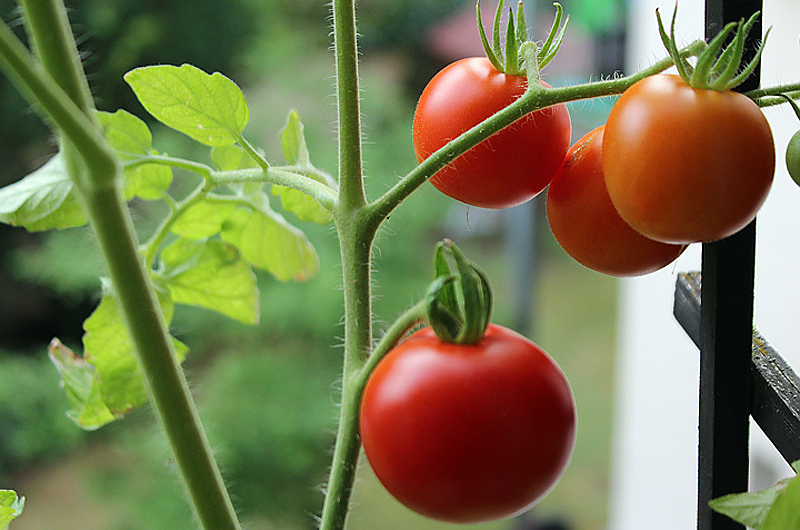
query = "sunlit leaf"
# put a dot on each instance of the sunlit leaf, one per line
(209, 108)
(11, 506)
(747, 508)
(295, 151)
(109, 348)
(785, 512)
(131, 138)
(42, 200)
(232, 157)
(293, 141)
(211, 274)
(270, 243)
(80, 383)
(305, 207)
(757, 509)
(202, 220)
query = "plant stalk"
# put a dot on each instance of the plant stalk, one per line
(355, 243)
(59, 91)
(168, 387)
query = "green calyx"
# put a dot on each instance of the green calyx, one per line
(521, 57)
(718, 66)
(459, 301)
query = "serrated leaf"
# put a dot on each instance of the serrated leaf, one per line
(209, 108)
(785, 511)
(293, 141)
(42, 200)
(269, 243)
(131, 138)
(109, 348)
(80, 383)
(211, 274)
(11, 506)
(202, 220)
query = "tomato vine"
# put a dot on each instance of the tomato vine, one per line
(99, 167)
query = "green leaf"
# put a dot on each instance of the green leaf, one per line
(268, 242)
(756, 508)
(43, 200)
(131, 138)
(11, 507)
(79, 381)
(785, 511)
(211, 274)
(109, 348)
(305, 207)
(231, 158)
(295, 151)
(293, 141)
(747, 508)
(202, 220)
(209, 108)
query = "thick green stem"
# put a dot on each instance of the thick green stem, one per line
(355, 243)
(165, 380)
(97, 173)
(348, 103)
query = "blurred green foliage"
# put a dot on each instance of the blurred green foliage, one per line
(33, 427)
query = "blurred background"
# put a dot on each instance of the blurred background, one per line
(267, 394)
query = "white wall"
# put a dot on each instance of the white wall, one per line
(654, 462)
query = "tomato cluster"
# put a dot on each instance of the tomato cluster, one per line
(472, 431)
(673, 165)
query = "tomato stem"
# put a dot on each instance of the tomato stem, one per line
(537, 97)
(459, 302)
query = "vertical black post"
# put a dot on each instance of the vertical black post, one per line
(726, 317)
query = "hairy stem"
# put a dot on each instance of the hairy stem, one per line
(355, 243)
(57, 88)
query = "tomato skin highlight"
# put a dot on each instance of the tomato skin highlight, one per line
(467, 433)
(685, 165)
(586, 224)
(508, 168)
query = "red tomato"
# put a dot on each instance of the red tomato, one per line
(506, 169)
(468, 433)
(586, 225)
(685, 165)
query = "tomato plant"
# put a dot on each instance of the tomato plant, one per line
(508, 168)
(468, 432)
(585, 223)
(475, 428)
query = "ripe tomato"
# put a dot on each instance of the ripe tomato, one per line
(685, 165)
(587, 226)
(508, 168)
(467, 433)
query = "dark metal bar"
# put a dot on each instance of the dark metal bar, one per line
(726, 320)
(775, 397)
